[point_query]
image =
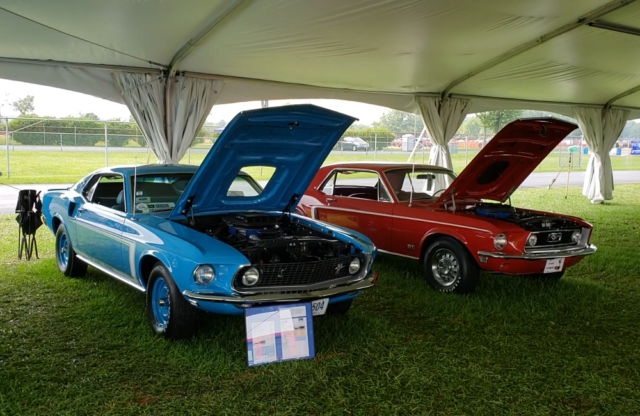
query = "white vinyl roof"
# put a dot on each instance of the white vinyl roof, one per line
(543, 54)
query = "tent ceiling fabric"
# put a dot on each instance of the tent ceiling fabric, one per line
(379, 52)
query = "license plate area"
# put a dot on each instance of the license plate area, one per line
(554, 265)
(319, 307)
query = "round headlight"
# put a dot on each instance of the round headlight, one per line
(204, 274)
(576, 236)
(500, 241)
(354, 266)
(532, 240)
(250, 277)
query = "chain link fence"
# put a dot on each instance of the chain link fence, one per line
(34, 150)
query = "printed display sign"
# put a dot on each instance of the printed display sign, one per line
(634, 147)
(279, 333)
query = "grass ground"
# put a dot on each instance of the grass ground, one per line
(515, 346)
(68, 167)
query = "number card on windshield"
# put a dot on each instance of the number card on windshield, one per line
(279, 333)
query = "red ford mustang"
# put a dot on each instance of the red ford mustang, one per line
(457, 226)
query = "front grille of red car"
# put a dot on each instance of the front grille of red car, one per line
(299, 275)
(554, 238)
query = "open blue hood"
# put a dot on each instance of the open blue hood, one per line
(295, 140)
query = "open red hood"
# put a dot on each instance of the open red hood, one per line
(506, 161)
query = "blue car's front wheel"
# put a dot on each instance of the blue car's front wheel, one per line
(168, 312)
(68, 263)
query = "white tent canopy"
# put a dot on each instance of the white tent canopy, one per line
(547, 54)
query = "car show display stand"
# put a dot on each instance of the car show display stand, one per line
(279, 333)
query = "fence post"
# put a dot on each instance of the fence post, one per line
(61, 142)
(106, 146)
(44, 134)
(375, 146)
(6, 138)
(75, 136)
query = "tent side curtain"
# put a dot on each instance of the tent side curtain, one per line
(442, 119)
(193, 100)
(145, 96)
(601, 129)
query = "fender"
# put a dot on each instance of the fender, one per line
(448, 231)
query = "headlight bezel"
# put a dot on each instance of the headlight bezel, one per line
(257, 275)
(532, 237)
(200, 274)
(577, 233)
(500, 241)
(357, 262)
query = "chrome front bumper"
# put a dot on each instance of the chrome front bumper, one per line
(543, 255)
(366, 283)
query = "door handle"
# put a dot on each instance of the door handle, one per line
(331, 200)
(82, 209)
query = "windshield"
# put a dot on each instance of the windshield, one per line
(423, 183)
(160, 192)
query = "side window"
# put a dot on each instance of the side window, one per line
(356, 184)
(327, 187)
(104, 190)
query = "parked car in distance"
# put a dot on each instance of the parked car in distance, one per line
(457, 226)
(354, 144)
(210, 237)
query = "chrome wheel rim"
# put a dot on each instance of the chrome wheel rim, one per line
(63, 250)
(160, 302)
(445, 267)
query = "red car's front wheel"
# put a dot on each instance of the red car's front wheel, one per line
(448, 267)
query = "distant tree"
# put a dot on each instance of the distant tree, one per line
(400, 122)
(493, 121)
(89, 116)
(24, 106)
(470, 127)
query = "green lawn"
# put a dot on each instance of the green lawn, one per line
(67, 167)
(515, 346)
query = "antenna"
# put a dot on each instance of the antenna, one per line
(135, 183)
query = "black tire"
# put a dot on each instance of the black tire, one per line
(181, 318)
(68, 263)
(448, 267)
(340, 308)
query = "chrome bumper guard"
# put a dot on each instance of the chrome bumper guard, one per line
(365, 283)
(543, 255)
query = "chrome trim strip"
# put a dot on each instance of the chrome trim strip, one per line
(281, 297)
(397, 254)
(314, 207)
(111, 272)
(583, 251)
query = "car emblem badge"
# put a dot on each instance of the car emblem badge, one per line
(339, 267)
(554, 237)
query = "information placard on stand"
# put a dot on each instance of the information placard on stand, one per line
(279, 333)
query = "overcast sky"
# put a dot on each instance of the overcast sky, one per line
(54, 102)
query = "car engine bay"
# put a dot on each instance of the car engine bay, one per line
(268, 239)
(529, 221)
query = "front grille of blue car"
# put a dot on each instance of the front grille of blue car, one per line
(282, 275)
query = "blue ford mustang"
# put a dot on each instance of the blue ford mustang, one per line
(212, 238)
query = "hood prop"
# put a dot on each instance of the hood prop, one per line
(188, 207)
(287, 209)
